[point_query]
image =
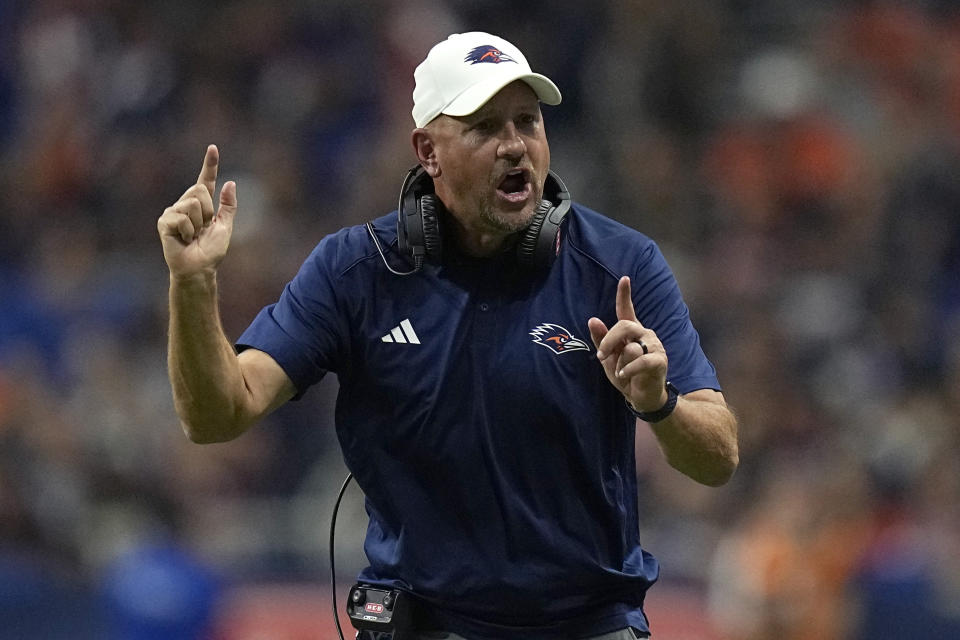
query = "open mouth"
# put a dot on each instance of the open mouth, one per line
(515, 185)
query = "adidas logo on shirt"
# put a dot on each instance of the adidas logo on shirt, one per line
(403, 333)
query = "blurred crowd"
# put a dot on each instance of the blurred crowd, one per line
(797, 161)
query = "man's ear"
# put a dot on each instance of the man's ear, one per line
(425, 147)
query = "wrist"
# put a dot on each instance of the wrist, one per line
(196, 280)
(663, 412)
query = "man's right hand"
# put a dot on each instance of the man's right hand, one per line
(194, 238)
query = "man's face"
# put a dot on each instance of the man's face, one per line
(493, 163)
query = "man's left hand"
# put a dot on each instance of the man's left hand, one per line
(632, 355)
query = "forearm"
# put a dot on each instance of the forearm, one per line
(209, 391)
(699, 438)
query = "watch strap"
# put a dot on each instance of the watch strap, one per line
(660, 414)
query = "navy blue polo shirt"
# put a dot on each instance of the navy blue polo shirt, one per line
(496, 458)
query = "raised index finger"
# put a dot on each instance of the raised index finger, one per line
(208, 174)
(625, 310)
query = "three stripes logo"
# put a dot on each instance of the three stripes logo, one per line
(403, 333)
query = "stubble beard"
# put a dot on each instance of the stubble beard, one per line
(505, 223)
(508, 222)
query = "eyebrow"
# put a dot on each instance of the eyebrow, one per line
(485, 111)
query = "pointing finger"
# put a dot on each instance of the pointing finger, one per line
(208, 174)
(625, 310)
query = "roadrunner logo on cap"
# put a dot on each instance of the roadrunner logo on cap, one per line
(557, 339)
(487, 53)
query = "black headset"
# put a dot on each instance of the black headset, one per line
(419, 213)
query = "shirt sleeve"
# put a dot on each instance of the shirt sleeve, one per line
(660, 306)
(303, 331)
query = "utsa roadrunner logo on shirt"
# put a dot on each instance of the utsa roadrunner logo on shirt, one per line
(557, 339)
(487, 53)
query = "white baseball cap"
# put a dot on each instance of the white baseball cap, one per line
(463, 72)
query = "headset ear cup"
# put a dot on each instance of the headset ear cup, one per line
(429, 215)
(527, 249)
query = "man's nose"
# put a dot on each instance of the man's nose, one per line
(511, 143)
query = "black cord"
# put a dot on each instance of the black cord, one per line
(417, 259)
(333, 570)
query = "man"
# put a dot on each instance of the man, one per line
(494, 446)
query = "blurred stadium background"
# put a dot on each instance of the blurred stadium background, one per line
(798, 161)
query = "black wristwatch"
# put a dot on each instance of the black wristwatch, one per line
(662, 412)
